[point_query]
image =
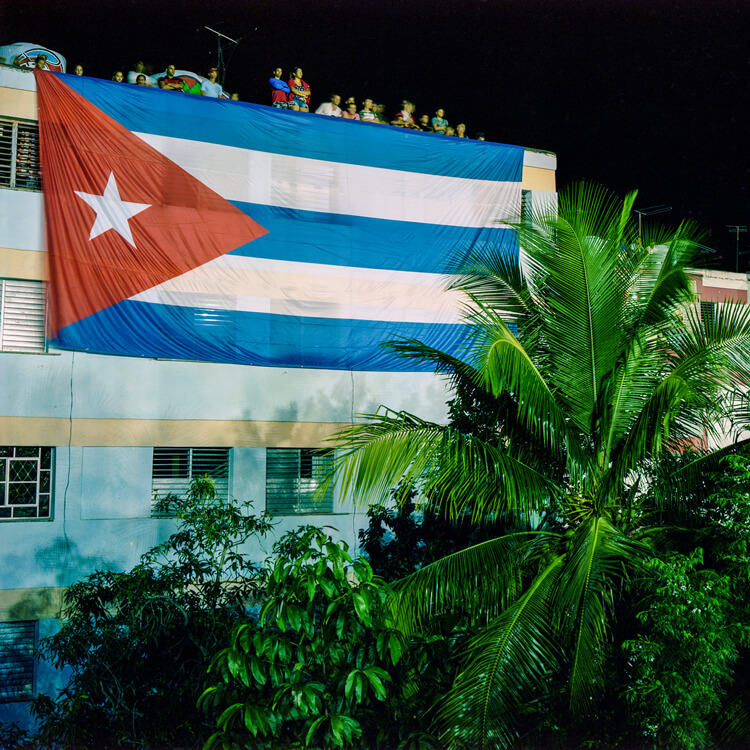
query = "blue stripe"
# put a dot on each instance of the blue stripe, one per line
(150, 330)
(362, 242)
(262, 128)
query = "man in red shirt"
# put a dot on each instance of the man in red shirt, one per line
(170, 81)
(279, 90)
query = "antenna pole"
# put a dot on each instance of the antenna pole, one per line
(220, 65)
(737, 228)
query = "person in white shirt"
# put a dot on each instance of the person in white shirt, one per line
(210, 87)
(330, 108)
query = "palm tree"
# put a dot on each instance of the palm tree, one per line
(598, 358)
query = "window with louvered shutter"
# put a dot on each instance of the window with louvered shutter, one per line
(22, 311)
(293, 476)
(17, 661)
(19, 155)
(174, 468)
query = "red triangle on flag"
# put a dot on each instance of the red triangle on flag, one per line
(121, 217)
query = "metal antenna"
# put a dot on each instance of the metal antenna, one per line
(220, 52)
(649, 211)
(737, 228)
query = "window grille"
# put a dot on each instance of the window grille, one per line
(17, 661)
(25, 482)
(293, 476)
(22, 316)
(19, 155)
(174, 468)
(708, 314)
(525, 206)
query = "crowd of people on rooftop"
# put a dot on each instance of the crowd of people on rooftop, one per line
(294, 94)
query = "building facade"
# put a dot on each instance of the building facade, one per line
(86, 439)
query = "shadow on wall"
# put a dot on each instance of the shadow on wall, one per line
(58, 564)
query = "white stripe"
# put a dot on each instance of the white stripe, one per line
(310, 290)
(239, 174)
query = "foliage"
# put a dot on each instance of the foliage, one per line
(12, 737)
(138, 643)
(681, 663)
(318, 668)
(599, 362)
(399, 540)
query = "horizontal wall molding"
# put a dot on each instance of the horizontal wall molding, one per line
(196, 433)
(23, 264)
(30, 604)
(538, 178)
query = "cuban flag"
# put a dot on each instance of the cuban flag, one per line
(193, 228)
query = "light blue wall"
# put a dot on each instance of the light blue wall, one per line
(21, 225)
(102, 517)
(109, 387)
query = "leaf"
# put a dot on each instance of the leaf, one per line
(257, 670)
(294, 617)
(311, 586)
(311, 732)
(396, 647)
(376, 677)
(361, 607)
(329, 587)
(228, 715)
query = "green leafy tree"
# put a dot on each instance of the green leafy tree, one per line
(318, 668)
(138, 643)
(595, 352)
(682, 659)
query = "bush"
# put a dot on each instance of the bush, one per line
(139, 643)
(320, 666)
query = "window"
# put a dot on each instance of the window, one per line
(22, 312)
(25, 482)
(525, 206)
(19, 154)
(293, 476)
(17, 661)
(708, 314)
(173, 468)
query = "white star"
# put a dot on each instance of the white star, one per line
(111, 211)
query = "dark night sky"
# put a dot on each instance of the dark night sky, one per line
(649, 95)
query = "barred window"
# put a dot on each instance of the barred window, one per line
(25, 482)
(19, 155)
(22, 316)
(174, 468)
(293, 476)
(17, 661)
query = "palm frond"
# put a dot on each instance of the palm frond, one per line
(660, 286)
(452, 470)
(686, 482)
(493, 277)
(733, 724)
(582, 293)
(506, 366)
(485, 578)
(597, 556)
(511, 659)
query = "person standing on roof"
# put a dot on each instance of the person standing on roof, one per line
(280, 90)
(331, 108)
(210, 87)
(170, 82)
(299, 96)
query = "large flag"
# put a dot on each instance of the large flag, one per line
(192, 228)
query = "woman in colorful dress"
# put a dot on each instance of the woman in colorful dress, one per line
(299, 98)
